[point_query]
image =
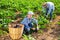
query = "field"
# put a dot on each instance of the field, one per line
(16, 10)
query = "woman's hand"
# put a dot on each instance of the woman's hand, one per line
(37, 27)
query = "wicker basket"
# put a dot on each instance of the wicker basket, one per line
(16, 33)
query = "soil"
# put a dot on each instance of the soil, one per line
(52, 32)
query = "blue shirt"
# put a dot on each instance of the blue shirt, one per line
(26, 21)
(50, 6)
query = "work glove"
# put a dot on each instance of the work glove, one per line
(37, 28)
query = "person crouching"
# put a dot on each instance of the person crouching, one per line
(27, 22)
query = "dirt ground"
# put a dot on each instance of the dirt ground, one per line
(53, 32)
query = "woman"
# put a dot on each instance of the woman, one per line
(49, 6)
(27, 22)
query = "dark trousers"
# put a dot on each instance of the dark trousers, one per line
(27, 28)
(49, 13)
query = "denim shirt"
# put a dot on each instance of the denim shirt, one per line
(26, 21)
(50, 6)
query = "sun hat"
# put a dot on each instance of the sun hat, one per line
(44, 3)
(30, 12)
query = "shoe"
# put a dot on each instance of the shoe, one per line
(50, 20)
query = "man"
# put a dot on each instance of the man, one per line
(27, 22)
(49, 6)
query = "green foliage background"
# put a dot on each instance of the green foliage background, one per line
(25, 5)
(8, 8)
